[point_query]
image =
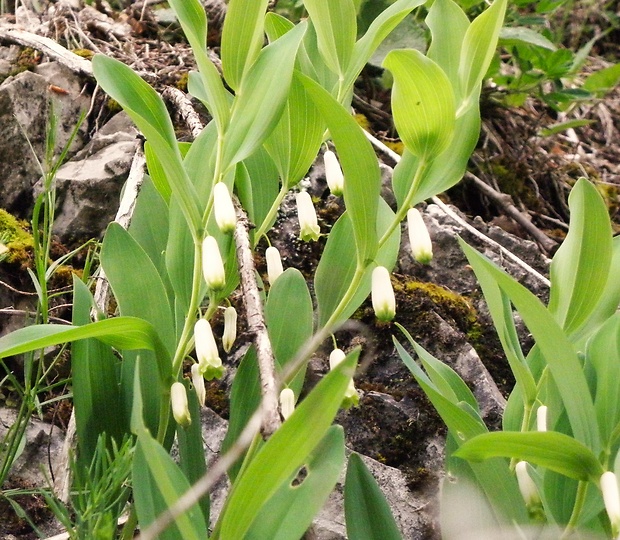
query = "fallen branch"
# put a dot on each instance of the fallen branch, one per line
(181, 103)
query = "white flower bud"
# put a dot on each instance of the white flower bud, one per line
(287, 402)
(230, 328)
(212, 264)
(383, 300)
(309, 227)
(208, 356)
(333, 173)
(527, 487)
(180, 407)
(199, 384)
(541, 418)
(611, 498)
(419, 239)
(351, 397)
(225, 215)
(274, 264)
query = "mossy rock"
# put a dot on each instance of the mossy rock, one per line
(15, 236)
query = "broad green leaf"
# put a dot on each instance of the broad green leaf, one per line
(379, 29)
(555, 347)
(157, 484)
(337, 265)
(310, 62)
(552, 450)
(192, 459)
(157, 173)
(261, 190)
(479, 47)
(150, 115)
(422, 103)
(137, 287)
(336, 28)
(191, 15)
(289, 513)
(276, 25)
(261, 98)
(448, 25)
(286, 451)
(367, 513)
(245, 398)
(96, 398)
(580, 268)
(294, 143)
(289, 302)
(602, 81)
(242, 38)
(499, 486)
(603, 353)
(360, 168)
(522, 34)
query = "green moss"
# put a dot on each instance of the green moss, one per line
(181, 84)
(113, 106)
(84, 53)
(14, 234)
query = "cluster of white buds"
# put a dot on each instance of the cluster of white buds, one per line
(308, 224)
(333, 173)
(382, 294)
(351, 398)
(419, 239)
(611, 498)
(225, 215)
(180, 406)
(209, 362)
(274, 264)
(287, 402)
(212, 264)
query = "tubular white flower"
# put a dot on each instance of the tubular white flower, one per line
(274, 264)
(527, 487)
(351, 397)
(225, 215)
(611, 498)
(333, 173)
(287, 402)
(199, 384)
(309, 227)
(230, 328)
(209, 361)
(419, 239)
(212, 264)
(541, 418)
(383, 300)
(336, 357)
(180, 407)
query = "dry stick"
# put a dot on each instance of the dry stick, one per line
(256, 324)
(458, 219)
(504, 201)
(62, 484)
(180, 102)
(26, 313)
(50, 48)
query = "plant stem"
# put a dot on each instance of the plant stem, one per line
(580, 499)
(348, 295)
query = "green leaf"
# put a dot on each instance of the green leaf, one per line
(258, 194)
(294, 143)
(289, 297)
(261, 98)
(337, 265)
(286, 451)
(137, 286)
(422, 103)
(367, 513)
(580, 267)
(522, 34)
(554, 451)
(157, 484)
(479, 47)
(448, 25)
(289, 513)
(336, 28)
(191, 15)
(150, 115)
(604, 80)
(242, 38)
(276, 25)
(379, 29)
(157, 173)
(559, 127)
(557, 350)
(96, 398)
(360, 168)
